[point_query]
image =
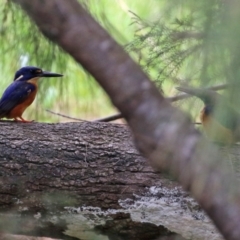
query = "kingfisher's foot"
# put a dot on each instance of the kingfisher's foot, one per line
(22, 120)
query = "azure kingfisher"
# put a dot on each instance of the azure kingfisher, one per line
(21, 92)
(221, 122)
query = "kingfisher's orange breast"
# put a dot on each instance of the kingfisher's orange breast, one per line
(20, 108)
(214, 130)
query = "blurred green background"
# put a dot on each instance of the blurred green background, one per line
(77, 94)
(176, 42)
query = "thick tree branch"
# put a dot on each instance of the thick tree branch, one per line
(163, 134)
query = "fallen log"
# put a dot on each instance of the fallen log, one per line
(87, 181)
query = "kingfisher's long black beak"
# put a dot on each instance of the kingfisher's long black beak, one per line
(50, 74)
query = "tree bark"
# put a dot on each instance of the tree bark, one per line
(95, 160)
(86, 180)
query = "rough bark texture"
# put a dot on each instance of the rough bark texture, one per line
(94, 161)
(47, 167)
(63, 180)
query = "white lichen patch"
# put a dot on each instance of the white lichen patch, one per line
(23, 209)
(37, 215)
(172, 209)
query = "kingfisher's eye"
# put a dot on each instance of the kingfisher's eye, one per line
(38, 71)
(35, 71)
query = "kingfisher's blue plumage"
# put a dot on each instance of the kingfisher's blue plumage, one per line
(15, 94)
(21, 93)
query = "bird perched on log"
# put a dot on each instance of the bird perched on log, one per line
(21, 93)
(221, 122)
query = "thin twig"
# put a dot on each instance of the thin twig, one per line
(65, 116)
(110, 118)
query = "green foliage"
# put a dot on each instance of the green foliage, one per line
(176, 42)
(22, 44)
(76, 94)
(193, 43)
(181, 48)
(21, 38)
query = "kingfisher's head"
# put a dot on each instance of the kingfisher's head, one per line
(29, 73)
(209, 97)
